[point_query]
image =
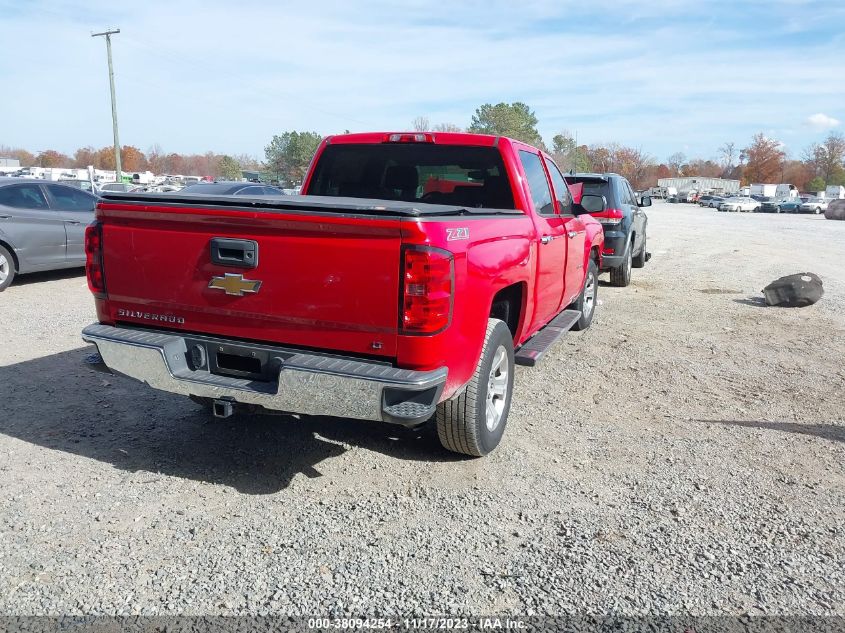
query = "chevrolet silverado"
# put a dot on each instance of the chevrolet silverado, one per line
(404, 284)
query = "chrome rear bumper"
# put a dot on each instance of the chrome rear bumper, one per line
(290, 380)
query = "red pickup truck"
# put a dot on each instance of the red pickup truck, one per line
(406, 282)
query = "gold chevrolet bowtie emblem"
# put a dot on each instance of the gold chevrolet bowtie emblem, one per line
(235, 285)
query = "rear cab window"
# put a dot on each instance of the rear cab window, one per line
(454, 175)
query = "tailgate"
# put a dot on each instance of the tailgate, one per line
(328, 281)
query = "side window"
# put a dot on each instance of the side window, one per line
(23, 197)
(628, 194)
(69, 199)
(251, 191)
(541, 195)
(561, 190)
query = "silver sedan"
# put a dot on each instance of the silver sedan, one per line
(42, 226)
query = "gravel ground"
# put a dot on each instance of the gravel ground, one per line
(685, 455)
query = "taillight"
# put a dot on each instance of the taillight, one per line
(94, 259)
(427, 290)
(609, 216)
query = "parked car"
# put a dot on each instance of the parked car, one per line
(714, 202)
(792, 205)
(769, 204)
(42, 226)
(624, 221)
(85, 185)
(414, 274)
(125, 187)
(231, 189)
(814, 205)
(740, 203)
(835, 210)
(704, 201)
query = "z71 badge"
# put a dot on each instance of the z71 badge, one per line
(457, 234)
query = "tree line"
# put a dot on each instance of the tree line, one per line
(287, 155)
(133, 159)
(763, 160)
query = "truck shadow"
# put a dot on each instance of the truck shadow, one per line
(58, 403)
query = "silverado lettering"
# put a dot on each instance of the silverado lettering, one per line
(134, 314)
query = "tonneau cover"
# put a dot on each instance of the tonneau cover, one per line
(317, 204)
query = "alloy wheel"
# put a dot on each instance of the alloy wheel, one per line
(497, 388)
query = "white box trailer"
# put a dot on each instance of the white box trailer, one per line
(768, 190)
(700, 184)
(834, 192)
(786, 191)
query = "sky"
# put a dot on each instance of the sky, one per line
(661, 76)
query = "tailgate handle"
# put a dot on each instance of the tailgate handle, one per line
(230, 252)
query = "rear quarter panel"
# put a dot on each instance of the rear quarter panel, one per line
(497, 252)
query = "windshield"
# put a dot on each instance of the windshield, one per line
(465, 176)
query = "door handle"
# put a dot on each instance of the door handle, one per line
(572, 234)
(546, 239)
(5, 217)
(72, 222)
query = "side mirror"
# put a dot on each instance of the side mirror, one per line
(646, 201)
(591, 203)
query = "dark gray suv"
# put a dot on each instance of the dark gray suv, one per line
(624, 222)
(42, 226)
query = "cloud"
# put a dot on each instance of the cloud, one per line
(196, 76)
(822, 122)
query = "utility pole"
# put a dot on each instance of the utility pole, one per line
(117, 165)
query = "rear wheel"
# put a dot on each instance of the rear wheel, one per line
(818, 210)
(473, 422)
(7, 268)
(586, 302)
(640, 260)
(621, 275)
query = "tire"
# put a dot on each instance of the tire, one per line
(640, 260)
(462, 421)
(7, 268)
(586, 301)
(818, 210)
(621, 275)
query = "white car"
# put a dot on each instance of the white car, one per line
(814, 205)
(740, 204)
(123, 187)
